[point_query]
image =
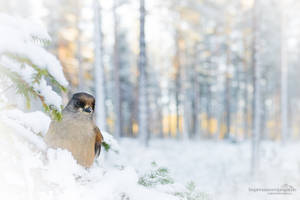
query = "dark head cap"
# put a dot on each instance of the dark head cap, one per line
(81, 102)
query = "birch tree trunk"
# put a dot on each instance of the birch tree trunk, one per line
(79, 57)
(256, 95)
(196, 101)
(117, 92)
(245, 93)
(284, 89)
(228, 93)
(209, 96)
(143, 107)
(99, 71)
(185, 101)
(177, 65)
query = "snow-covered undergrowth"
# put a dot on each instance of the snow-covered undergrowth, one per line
(31, 171)
(217, 169)
(167, 169)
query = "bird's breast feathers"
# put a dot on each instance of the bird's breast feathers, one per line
(77, 136)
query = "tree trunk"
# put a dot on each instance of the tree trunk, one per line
(169, 117)
(256, 95)
(79, 57)
(117, 92)
(237, 99)
(143, 107)
(195, 105)
(99, 71)
(177, 82)
(245, 93)
(228, 96)
(160, 119)
(284, 88)
(208, 106)
(186, 100)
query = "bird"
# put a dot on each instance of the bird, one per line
(76, 131)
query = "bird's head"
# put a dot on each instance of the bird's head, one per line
(81, 103)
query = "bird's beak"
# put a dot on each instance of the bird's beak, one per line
(88, 109)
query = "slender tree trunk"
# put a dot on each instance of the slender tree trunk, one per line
(209, 96)
(256, 95)
(245, 94)
(246, 110)
(79, 57)
(195, 106)
(194, 114)
(117, 92)
(263, 114)
(99, 71)
(159, 113)
(228, 96)
(208, 106)
(169, 118)
(237, 99)
(284, 88)
(227, 107)
(185, 100)
(177, 83)
(131, 117)
(177, 105)
(135, 109)
(159, 120)
(143, 107)
(220, 114)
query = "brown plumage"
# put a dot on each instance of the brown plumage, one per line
(76, 131)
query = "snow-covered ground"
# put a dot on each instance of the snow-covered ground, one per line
(167, 169)
(33, 173)
(219, 169)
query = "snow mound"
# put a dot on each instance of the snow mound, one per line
(34, 172)
(28, 120)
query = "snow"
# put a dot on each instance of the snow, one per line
(166, 170)
(28, 120)
(36, 28)
(219, 170)
(197, 169)
(25, 124)
(24, 38)
(34, 173)
(27, 73)
(109, 139)
(17, 37)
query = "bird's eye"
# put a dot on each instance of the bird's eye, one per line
(78, 104)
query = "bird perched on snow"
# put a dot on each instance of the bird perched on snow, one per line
(76, 131)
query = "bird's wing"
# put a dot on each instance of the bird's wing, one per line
(99, 139)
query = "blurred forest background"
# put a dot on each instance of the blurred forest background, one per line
(209, 69)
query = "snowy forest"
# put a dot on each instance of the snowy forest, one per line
(195, 99)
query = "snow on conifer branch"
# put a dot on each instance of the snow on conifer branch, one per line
(28, 65)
